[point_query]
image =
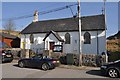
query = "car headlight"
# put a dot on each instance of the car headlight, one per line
(53, 61)
(3, 54)
(58, 61)
(104, 67)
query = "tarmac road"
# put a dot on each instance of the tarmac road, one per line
(11, 70)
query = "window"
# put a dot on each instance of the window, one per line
(58, 48)
(67, 38)
(31, 38)
(87, 38)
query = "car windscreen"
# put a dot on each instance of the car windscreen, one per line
(117, 61)
(6, 51)
(37, 57)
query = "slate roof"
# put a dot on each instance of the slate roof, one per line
(55, 34)
(5, 35)
(96, 22)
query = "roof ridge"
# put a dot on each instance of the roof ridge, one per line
(70, 18)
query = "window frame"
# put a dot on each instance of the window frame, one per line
(67, 38)
(87, 38)
(31, 38)
(58, 46)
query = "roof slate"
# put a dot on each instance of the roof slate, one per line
(96, 22)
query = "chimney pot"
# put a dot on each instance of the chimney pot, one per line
(35, 16)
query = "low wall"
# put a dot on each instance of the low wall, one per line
(87, 59)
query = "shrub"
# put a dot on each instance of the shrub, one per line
(114, 56)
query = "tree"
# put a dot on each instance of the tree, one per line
(9, 26)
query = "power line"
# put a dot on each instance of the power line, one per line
(74, 16)
(41, 13)
(26, 16)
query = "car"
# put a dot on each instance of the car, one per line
(7, 56)
(112, 69)
(39, 62)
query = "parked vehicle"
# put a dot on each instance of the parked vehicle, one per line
(7, 56)
(111, 69)
(39, 62)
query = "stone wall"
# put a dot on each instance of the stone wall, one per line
(89, 60)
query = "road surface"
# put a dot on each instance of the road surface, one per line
(11, 70)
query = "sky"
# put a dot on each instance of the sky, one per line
(17, 9)
(119, 16)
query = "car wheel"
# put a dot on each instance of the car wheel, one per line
(21, 64)
(113, 73)
(45, 66)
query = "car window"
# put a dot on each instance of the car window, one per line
(117, 61)
(7, 51)
(37, 57)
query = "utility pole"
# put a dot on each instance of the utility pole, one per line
(105, 26)
(80, 49)
(104, 7)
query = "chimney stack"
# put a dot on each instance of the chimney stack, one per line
(35, 16)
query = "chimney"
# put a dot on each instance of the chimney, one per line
(35, 16)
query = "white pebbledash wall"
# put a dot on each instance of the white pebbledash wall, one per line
(39, 44)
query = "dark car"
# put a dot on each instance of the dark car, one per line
(7, 56)
(111, 69)
(39, 62)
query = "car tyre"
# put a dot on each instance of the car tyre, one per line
(45, 66)
(21, 64)
(113, 73)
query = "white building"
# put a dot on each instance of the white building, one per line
(61, 35)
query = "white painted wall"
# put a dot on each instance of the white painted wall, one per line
(67, 48)
(102, 42)
(51, 38)
(92, 48)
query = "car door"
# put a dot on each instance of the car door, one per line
(119, 64)
(29, 62)
(36, 61)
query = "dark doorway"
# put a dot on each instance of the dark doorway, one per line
(52, 45)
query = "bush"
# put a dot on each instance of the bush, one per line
(114, 56)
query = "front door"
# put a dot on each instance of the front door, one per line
(52, 45)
